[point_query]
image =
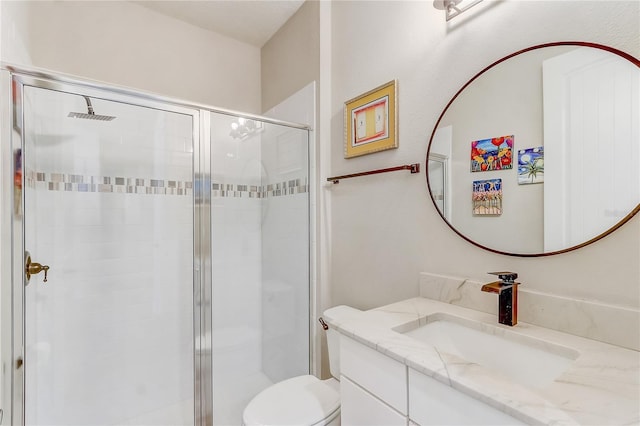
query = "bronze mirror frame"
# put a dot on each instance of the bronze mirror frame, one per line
(613, 228)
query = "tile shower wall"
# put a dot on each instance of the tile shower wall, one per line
(285, 259)
(109, 336)
(128, 303)
(260, 262)
(236, 251)
(236, 274)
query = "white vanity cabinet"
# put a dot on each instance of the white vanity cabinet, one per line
(434, 403)
(360, 407)
(378, 390)
(392, 375)
(373, 386)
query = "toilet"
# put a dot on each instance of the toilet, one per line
(303, 400)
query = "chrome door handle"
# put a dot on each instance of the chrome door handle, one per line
(33, 268)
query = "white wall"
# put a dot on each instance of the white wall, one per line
(290, 59)
(384, 228)
(126, 44)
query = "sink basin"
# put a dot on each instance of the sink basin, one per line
(521, 358)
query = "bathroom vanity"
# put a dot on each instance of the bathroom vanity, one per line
(422, 361)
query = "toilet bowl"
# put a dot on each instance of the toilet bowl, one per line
(302, 400)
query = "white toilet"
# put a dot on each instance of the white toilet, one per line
(302, 400)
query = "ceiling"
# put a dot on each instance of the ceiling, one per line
(250, 21)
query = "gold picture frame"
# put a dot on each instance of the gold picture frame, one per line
(371, 121)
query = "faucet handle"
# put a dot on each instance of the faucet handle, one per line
(505, 276)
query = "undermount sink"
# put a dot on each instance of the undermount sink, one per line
(522, 358)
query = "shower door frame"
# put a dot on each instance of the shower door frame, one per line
(12, 268)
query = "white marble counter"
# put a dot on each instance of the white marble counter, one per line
(601, 387)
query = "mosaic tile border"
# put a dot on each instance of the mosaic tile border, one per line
(289, 187)
(68, 182)
(124, 185)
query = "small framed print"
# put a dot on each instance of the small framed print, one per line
(487, 197)
(531, 165)
(492, 154)
(371, 121)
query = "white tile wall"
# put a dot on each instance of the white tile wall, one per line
(285, 260)
(260, 264)
(236, 274)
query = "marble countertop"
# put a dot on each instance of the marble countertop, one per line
(600, 387)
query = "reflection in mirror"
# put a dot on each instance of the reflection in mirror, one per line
(540, 152)
(438, 179)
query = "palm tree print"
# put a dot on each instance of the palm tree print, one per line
(530, 165)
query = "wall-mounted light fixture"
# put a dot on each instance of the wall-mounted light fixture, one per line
(454, 8)
(245, 127)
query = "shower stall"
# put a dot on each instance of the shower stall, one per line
(155, 256)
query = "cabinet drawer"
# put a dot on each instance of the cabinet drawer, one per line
(360, 408)
(384, 377)
(434, 403)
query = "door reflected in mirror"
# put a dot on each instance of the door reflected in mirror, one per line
(572, 173)
(438, 180)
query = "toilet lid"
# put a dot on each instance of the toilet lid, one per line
(302, 400)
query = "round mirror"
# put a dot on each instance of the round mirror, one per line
(539, 153)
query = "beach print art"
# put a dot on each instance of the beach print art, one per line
(487, 197)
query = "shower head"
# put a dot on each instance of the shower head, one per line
(90, 114)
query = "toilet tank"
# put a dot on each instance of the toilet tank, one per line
(333, 344)
(338, 313)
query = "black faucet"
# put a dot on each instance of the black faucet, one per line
(507, 290)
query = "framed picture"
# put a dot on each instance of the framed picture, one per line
(487, 197)
(371, 121)
(531, 165)
(491, 154)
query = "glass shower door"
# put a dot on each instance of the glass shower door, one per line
(109, 221)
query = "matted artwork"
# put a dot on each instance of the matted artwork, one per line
(370, 121)
(531, 165)
(491, 154)
(487, 197)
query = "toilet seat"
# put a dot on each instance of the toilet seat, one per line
(301, 400)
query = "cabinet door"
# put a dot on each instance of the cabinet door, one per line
(360, 408)
(380, 375)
